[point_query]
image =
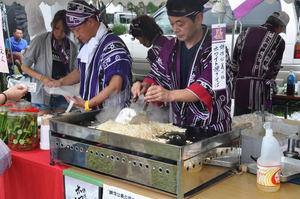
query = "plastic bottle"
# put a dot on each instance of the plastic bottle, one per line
(291, 81)
(269, 162)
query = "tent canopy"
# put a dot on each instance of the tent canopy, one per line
(52, 2)
(135, 2)
(34, 12)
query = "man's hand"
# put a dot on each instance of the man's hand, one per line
(46, 80)
(16, 93)
(54, 83)
(78, 101)
(158, 93)
(139, 88)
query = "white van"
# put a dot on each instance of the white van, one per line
(258, 16)
(120, 18)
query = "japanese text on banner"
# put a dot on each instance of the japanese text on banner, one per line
(3, 60)
(218, 56)
(77, 189)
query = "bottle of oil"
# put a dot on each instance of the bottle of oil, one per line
(291, 81)
(269, 163)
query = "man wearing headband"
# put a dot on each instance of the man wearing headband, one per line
(104, 62)
(257, 60)
(184, 75)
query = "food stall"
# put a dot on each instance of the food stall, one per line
(169, 166)
(174, 164)
(164, 165)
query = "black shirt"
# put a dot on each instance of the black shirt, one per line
(59, 69)
(187, 58)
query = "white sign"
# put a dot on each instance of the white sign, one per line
(31, 85)
(110, 192)
(218, 56)
(77, 189)
(3, 60)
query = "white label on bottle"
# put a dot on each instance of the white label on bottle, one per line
(268, 176)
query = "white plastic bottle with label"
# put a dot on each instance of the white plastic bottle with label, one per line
(269, 163)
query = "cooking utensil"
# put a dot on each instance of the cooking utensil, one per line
(125, 115)
(146, 104)
(290, 152)
(141, 117)
(135, 114)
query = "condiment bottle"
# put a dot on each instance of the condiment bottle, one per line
(291, 81)
(269, 162)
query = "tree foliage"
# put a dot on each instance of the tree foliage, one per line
(141, 8)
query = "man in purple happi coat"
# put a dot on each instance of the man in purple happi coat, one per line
(104, 62)
(257, 59)
(183, 73)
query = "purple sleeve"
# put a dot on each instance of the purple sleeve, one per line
(117, 64)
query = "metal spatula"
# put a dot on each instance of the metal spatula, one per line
(135, 114)
(140, 107)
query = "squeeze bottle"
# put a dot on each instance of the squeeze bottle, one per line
(269, 162)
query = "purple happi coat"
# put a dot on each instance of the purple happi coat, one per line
(111, 58)
(212, 111)
(154, 51)
(257, 57)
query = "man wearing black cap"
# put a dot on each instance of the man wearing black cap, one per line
(257, 60)
(104, 62)
(183, 76)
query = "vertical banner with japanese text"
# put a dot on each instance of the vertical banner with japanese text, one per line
(78, 189)
(3, 60)
(218, 56)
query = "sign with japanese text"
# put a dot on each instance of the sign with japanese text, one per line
(77, 189)
(218, 56)
(110, 192)
(3, 60)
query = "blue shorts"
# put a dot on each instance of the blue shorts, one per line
(57, 102)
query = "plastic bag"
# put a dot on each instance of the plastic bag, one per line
(5, 158)
(14, 80)
(69, 91)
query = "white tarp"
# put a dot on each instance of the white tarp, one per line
(52, 2)
(135, 2)
(34, 13)
(36, 2)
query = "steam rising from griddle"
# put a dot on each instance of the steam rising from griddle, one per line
(112, 107)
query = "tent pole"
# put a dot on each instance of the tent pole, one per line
(232, 38)
(8, 33)
(234, 79)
